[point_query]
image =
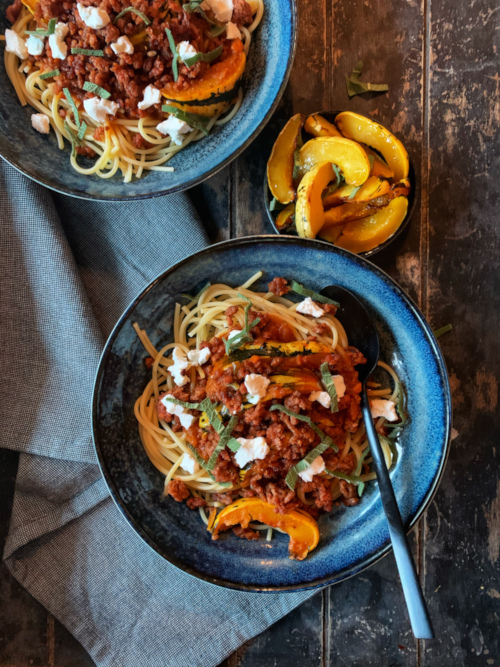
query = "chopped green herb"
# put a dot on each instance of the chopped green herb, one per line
(275, 205)
(134, 11)
(392, 446)
(203, 57)
(73, 138)
(233, 444)
(82, 130)
(217, 30)
(197, 296)
(192, 119)
(49, 75)
(244, 336)
(203, 464)
(337, 173)
(175, 54)
(323, 437)
(188, 406)
(355, 477)
(88, 52)
(215, 421)
(195, 6)
(223, 440)
(52, 26)
(303, 291)
(357, 87)
(40, 32)
(97, 90)
(329, 386)
(443, 330)
(400, 407)
(293, 473)
(353, 193)
(72, 104)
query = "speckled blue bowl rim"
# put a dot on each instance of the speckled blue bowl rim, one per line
(413, 198)
(194, 181)
(364, 563)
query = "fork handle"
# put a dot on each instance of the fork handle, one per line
(417, 609)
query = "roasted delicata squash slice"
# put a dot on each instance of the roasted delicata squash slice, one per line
(347, 155)
(302, 528)
(30, 4)
(367, 131)
(276, 349)
(309, 211)
(379, 166)
(298, 379)
(286, 217)
(320, 127)
(367, 233)
(215, 90)
(371, 188)
(280, 167)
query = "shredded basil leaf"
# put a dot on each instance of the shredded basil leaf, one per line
(330, 386)
(357, 87)
(223, 440)
(203, 464)
(244, 336)
(40, 32)
(203, 57)
(442, 330)
(52, 26)
(82, 130)
(192, 119)
(88, 52)
(233, 444)
(355, 477)
(97, 90)
(134, 11)
(175, 54)
(209, 409)
(303, 291)
(197, 296)
(323, 437)
(73, 138)
(195, 6)
(276, 205)
(337, 173)
(293, 473)
(71, 101)
(49, 75)
(353, 193)
(188, 406)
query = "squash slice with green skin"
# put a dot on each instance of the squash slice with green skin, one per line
(302, 528)
(309, 212)
(347, 155)
(215, 90)
(280, 166)
(367, 131)
(370, 232)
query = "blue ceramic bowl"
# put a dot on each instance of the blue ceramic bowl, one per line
(351, 538)
(269, 64)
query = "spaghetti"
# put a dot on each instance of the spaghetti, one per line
(225, 339)
(129, 141)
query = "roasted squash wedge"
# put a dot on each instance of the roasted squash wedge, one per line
(379, 167)
(347, 155)
(215, 90)
(280, 166)
(368, 233)
(285, 217)
(309, 212)
(320, 127)
(371, 188)
(302, 528)
(367, 131)
(330, 234)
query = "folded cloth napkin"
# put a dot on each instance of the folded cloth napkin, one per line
(67, 269)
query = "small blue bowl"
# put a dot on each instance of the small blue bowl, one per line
(351, 538)
(268, 68)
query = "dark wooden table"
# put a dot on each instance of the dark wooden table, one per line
(444, 101)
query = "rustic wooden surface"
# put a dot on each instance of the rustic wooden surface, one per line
(440, 60)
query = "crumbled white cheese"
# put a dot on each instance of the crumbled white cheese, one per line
(40, 122)
(15, 44)
(180, 364)
(57, 44)
(316, 467)
(98, 108)
(233, 333)
(256, 386)
(186, 50)
(308, 307)
(199, 357)
(150, 96)
(322, 397)
(381, 407)
(151, 54)
(35, 45)
(339, 383)
(222, 9)
(93, 17)
(189, 463)
(232, 31)
(252, 399)
(251, 449)
(175, 128)
(185, 418)
(124, 45)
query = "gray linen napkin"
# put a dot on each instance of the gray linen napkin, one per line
(67, 270)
